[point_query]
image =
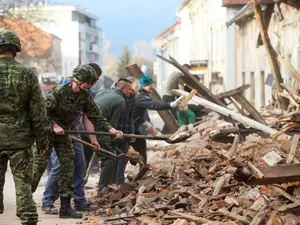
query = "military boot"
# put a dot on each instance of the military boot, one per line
(66, 210)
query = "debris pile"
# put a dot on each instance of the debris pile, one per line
(207, 180)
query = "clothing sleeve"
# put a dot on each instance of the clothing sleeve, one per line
(146, 103)
(116, 114)
(37, 113)
(51, 100)
(95, 115)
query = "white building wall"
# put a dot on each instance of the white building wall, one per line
(285, 38)
(73, 48)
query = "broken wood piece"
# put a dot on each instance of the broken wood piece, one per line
(285, 194)
(186, 100)
(190, 217)
(289, 67)
(234, 147)
(267, 43)
(234, 216)
(272, 174)
(119, 218)
(289, 206)
(256, 171)
(219, 185)
(293, 149)
(237, 95)
(259, 218)
(226, 112)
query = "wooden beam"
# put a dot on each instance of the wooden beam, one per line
(259, 218)
(289, 67)
(293, 148)
(184, 103)
(241, 219)
(227, 112)
(267, 15)
(271, 174)
(271, 54)
(192, 81)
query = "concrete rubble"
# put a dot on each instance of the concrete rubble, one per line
(204, 181)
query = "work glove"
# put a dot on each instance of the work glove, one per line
(175, 103)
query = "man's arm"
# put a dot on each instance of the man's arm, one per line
(146, 103)
(95, 115)
(37, 113)
(90, 128)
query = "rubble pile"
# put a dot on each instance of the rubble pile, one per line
(204, 181)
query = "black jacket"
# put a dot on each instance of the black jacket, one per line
(142, 103)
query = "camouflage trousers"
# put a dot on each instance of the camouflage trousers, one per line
(65, 154)
(20, 165)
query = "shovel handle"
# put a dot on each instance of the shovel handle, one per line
(113, 135)
(93, 146)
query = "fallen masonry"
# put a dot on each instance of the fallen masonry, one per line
(217, 176)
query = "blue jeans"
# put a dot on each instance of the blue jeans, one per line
(122, 145)
(51, 190)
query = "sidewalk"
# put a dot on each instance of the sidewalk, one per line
(9, 216)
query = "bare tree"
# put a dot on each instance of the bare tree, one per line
(28, 10)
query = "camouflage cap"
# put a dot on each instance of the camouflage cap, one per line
(8, 37)
(84, 73)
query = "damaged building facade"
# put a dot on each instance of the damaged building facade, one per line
(253, 66)
(219, 39)
(201, 38)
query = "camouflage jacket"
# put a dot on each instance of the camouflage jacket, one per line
(23, 117)
(63, 106)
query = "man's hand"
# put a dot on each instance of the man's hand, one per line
(119, 134)
(58, 130)
(132, 140)
(97, 146)
(175, 103)
(42, 152)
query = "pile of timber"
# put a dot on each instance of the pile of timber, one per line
(222, 174)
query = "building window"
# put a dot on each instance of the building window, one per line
(252, 83)
(262, 88)
(92, 23)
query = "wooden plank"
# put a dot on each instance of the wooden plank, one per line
(259, 218)
(290, 68)
(293, 149)
(227, 112)
(184, 103)
(190, 217)
(234, 216)
(256, 171)
(267, 43)
(285, 194)
(192, 81)
(272, 174)
(166, 115)
(289, 206)
(219, 185)
(234, 147)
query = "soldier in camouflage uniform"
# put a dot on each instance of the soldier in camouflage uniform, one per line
(23, 120)
(63, 104)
